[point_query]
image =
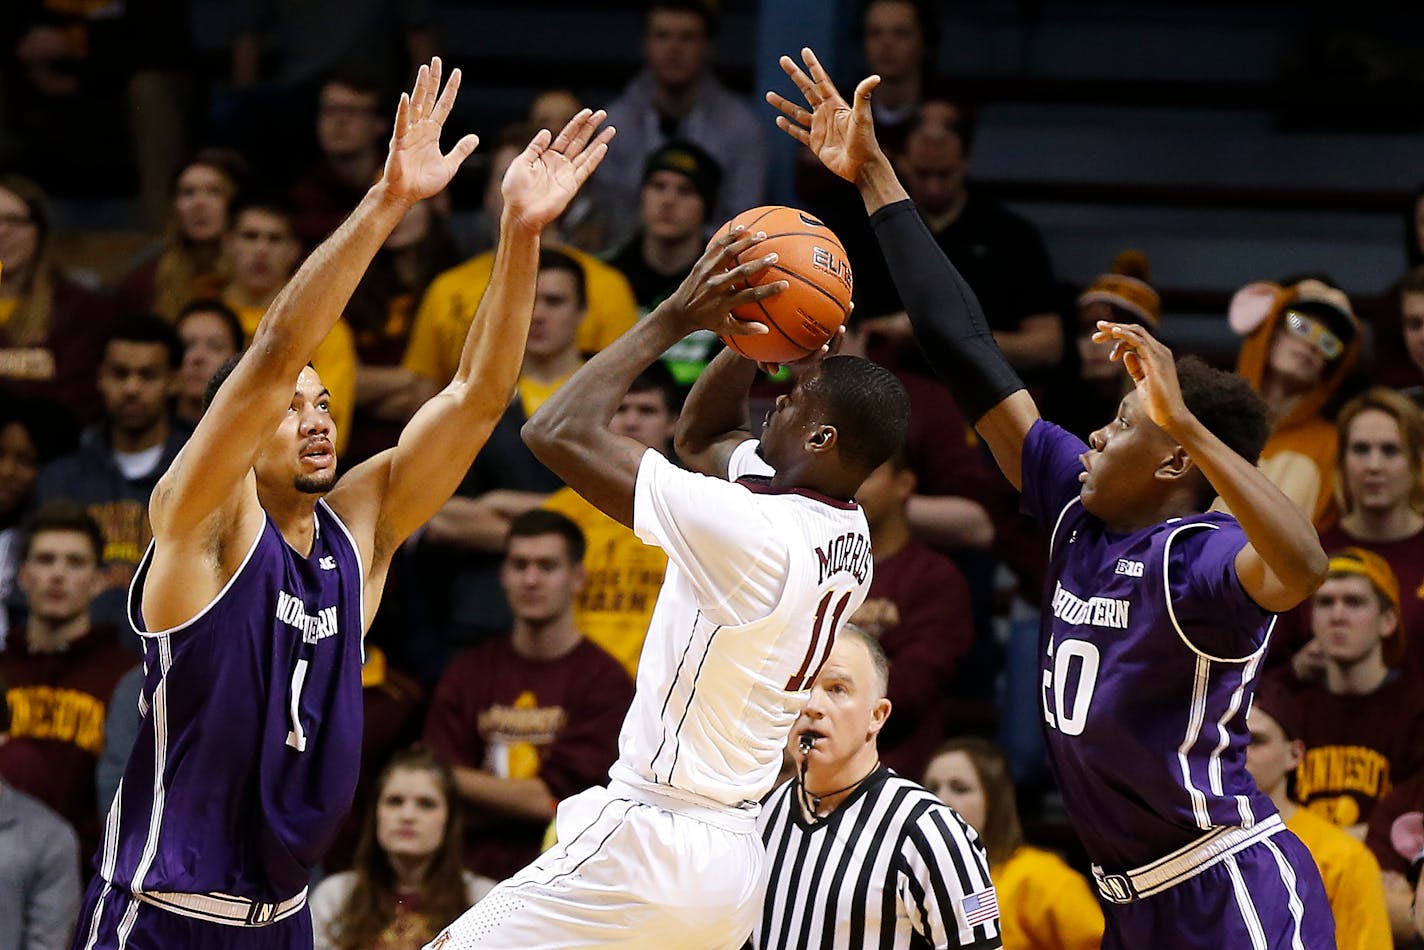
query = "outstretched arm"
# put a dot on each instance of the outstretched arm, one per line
(211, 473)
(570, 431)
(946, 316)
(400, 489)
(1282, 563)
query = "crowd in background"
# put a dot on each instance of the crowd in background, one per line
(502, 661)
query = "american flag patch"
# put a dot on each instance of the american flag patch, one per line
(981, 907)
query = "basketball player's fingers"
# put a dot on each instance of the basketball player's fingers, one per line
(537, 145)
(743, 273)
(419, 93)
(862, 93)
(732, 326)
(759, 292)
(432, 91)
(584, 133)
(802, 81)
(731, 253)
(792, 111)
(819, 77)
(795, 131)
(402, 117)
(568, 135)
(588, 160)
(446, 102)
(464, 149)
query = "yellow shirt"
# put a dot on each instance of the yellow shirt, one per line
(1045, 905)
(1352, 882)
(532, 393)
(624, 577)
(334, 361)
(449, 306)
(7, 310)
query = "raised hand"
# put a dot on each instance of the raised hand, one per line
(1152, 368)
(415, 167)
(841, 135)
(706, 297)
(542, 181)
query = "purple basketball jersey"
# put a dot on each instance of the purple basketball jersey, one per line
(1151, 651)
(246, 758)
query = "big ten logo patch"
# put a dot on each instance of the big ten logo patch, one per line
(824, 259)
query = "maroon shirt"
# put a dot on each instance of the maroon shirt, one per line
(1357, 748)
(520, 718)
(1406, 797)
(918, 607)
(58, 702)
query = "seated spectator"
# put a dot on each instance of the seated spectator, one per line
(1300, 343)
(51, 329)
(598, 219)
(449, 303)
(380, 314)
(121, 457)
(1363, 724)
(679, 190)
(211, 335)
(461, 546)
(39, 878)
(918, 608)
(185, 266)
(1398, 869)
(408, 883)
(623, 575)
(1350, 873)
(62, 666)
(1411, 316)
(532, 718)
(351, 125)
(1379, 483)
(1043, 903)
(1080, 402)
(32, 433)
(676, 96)
(261, 253)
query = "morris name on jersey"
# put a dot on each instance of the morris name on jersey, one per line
(849, 552)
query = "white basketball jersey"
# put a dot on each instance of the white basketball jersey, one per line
(759, 581)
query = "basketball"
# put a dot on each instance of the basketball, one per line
(813, 261)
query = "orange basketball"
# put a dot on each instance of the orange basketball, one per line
(813, 261)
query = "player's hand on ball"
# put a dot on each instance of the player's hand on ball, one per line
(841, 134)
(706, 297)
(811, 360)
(1152, 368)
(415, 166)
(542, 181)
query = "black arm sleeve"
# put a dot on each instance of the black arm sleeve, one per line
(949, 323)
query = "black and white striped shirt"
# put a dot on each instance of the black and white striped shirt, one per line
(893, 867)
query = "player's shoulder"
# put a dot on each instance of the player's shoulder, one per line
(1192, 531)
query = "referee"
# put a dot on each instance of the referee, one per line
(858, 856)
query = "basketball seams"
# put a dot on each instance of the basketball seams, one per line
(815, 286)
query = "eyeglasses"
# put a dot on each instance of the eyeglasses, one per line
(1315, 333)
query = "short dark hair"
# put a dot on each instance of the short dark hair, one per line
(966, 125)
(61, 514)
(354, 77)
(272, 204)
(550, 259)
(926, 18)
(703, 8)
(1227, 405)
(210, 391)
(147, 328)
(867, 405)
(48, 424)
(657, 378)
(222, 311)
(541, 521)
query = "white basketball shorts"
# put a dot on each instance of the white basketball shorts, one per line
(625, 873)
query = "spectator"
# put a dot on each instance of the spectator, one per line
(350, 129)
(998, 253)
(39, 878)
(922, 877)
(51, 329)
(462, 545)
(449, 304)
(380, 315)
(211, 334)
(918, 609)
(680, 183)
(899, 38)
(1350, 872)
(554, 108)
(186, 264)
(598, 217)
(31, 435)
(1300, 343)
(62, 666)
(1363, 724)
(532, 718)
(120, 458)
(676, 96)
(1379, 484)
(408, 882)
(623, 575)
(1399, 870)
(1411, 307)
(1081, 401)
(261, 254)
(1043, 903)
